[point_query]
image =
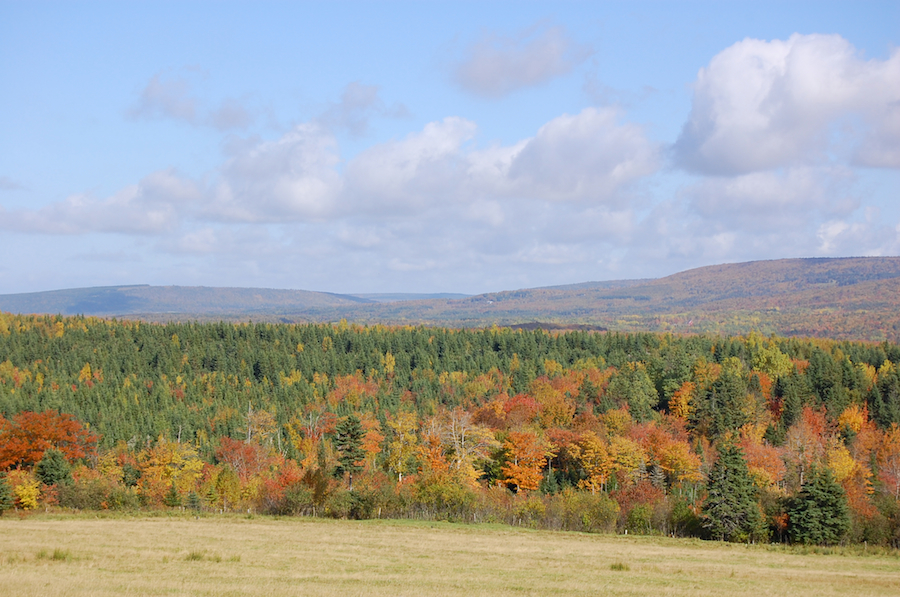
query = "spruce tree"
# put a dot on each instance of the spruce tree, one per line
(731, 511)
(53, 469)
(348, 441)
(6, 496)
(819, 513)
(193, 501)
(172, 498)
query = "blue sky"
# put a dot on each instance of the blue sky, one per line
(440, 146)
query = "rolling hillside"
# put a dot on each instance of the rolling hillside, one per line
(852, 298)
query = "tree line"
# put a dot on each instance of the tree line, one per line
(736, 438)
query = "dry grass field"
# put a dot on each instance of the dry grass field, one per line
(79, 556)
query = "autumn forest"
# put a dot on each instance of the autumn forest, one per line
(747, 438)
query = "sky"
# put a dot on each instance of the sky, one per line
(364, 147)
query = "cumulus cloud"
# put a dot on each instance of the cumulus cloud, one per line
(357, 105)
(149, 207)
(293, 177)
(434, 189)
(425, 167)
(784, 199)
(760, 105)
(586, 156)
(435, 204)
(497, 65)
(589, 156)
(796, 212)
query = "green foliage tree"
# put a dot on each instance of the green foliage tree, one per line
(193, 501)
(53, 468)
(722, 409)
(731, 511)
(172, 498)
(819, 513)
(6, 496)
(633, 386)
(348, 436)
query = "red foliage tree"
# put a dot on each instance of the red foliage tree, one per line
(25, 438)
(248, 459)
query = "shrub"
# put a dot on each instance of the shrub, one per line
(530, 511)
(581, 511)
(639, 520)
(444, 497)
(85, 495)
(296, 500)
(683, 520)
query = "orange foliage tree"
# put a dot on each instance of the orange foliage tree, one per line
(527, 456)
(24, 439)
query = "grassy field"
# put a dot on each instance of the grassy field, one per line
(78, 555)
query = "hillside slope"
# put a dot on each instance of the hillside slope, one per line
(844, 298)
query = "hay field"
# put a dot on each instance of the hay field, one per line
(80, 556)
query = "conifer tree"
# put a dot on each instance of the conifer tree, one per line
(819, 514)
(193, 501)
(348, 441)
(53, 468)
(172, 498)
(731, 511)
(6, 497)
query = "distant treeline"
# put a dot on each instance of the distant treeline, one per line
(436, 422)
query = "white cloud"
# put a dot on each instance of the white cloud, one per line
(760, 105)
(424, 168)
(431, 198)
(293, 177)
(586, 156)
(498, 65)
(149, 207)
(784, 199)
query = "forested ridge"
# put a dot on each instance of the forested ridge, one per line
(841, 298)
(738, 438)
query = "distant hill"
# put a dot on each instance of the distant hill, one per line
(397, 297)
(845, 298)
(148, 300)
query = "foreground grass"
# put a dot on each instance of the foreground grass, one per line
(77, 556)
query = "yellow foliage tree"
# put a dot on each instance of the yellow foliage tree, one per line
(26, 489)
(595, 458)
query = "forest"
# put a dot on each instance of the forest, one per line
(745, 438)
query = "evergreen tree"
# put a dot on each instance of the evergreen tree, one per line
(819, 514)
(193, 501)
(6, 496)
(53, 468)
(731, 511)
(348, 441)
(633, 386)
(172, 499)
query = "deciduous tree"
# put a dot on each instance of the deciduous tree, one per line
(25, 438)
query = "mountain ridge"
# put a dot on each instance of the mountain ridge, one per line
(844, 298)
